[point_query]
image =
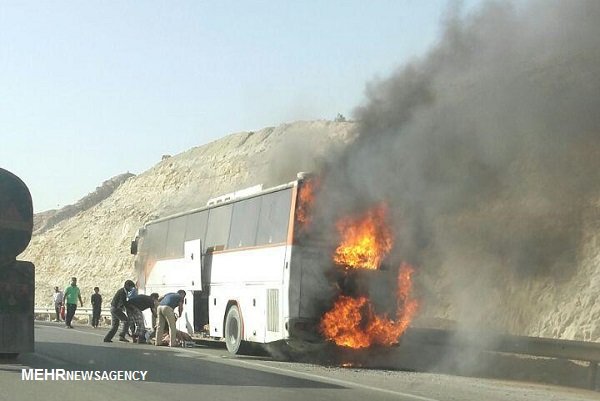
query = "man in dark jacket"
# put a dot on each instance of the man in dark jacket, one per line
(117, 315)
(96, 307)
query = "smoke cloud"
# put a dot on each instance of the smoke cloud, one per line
(487, 150)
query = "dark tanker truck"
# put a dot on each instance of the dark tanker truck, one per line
(16, 277)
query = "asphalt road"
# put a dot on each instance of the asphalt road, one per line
(210, 373)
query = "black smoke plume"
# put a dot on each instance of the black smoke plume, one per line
(487, 150)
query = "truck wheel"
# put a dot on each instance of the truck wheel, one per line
(233, 330)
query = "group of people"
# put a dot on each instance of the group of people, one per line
(68, 300)
(126, 307)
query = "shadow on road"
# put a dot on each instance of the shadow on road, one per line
(163, 365)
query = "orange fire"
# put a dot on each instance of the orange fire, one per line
(353, 323)
(366, 240)
(306, 200)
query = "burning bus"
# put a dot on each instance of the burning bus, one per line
(255, 271)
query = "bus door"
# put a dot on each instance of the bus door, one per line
(192, 267)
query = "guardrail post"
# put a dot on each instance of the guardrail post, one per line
(592, 371)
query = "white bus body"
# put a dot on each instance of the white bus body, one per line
(247, 279)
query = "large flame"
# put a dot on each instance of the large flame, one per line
(352, 322)
(366, 239)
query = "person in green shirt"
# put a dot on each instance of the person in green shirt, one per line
(72, 293)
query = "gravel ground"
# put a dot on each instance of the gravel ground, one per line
(443, 387)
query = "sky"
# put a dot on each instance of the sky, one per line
(92, 89)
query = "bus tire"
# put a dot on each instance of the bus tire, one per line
(233, 330)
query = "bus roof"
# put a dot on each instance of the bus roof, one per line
(214, 206)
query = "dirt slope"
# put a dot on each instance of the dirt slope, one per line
(93, 243)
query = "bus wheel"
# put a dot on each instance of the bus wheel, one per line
(233, 330)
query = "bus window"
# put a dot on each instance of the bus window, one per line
(156, 240)
(196, 226)
(219, 220)
(244, 222)
(174, 249)
(274, 217)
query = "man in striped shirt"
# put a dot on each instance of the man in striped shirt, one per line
(135, 305)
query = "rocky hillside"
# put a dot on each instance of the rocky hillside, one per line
(92, 242)
(45, 220)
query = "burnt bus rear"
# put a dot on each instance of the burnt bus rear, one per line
(311, 289)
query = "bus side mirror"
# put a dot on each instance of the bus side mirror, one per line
(134, 247)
